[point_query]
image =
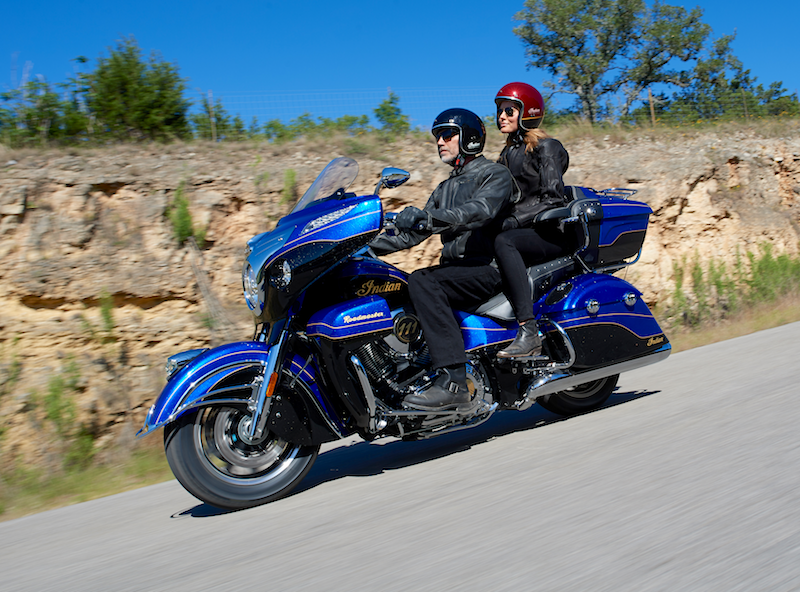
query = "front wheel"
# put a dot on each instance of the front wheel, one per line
(580, 399)
(210, 455)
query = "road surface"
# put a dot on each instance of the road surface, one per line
(689, 479)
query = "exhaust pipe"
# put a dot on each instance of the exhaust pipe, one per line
(552, 383)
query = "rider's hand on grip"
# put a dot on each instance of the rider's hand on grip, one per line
(411, 218)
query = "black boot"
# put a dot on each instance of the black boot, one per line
(526, 343)
(448, 392)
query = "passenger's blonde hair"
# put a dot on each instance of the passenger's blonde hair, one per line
(532, 138)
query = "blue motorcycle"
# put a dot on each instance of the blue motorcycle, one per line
(337, 345)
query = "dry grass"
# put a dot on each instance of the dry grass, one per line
(375, 145)
(28, 492)
(757, 318)
(603, 133)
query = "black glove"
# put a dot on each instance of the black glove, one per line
(510, 223)
(410, 218)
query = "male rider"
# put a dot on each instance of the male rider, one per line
(463, 210)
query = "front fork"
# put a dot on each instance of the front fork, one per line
(264, 387)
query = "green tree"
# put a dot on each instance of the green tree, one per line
(37, 113)
(212, 122)
(721, 88)
(390, 116)
(136, 99)
(666, 33)
(597, 48)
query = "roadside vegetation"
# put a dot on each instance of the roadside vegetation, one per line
(712, 301)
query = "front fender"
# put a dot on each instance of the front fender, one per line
(200, 382)
(193, 384)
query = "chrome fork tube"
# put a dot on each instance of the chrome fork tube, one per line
(261, 398)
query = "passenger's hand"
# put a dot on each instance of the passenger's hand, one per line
(410, 219)
(510, 223)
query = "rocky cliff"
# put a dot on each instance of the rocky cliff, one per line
(94, 286)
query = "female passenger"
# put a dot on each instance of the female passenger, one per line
(537, 163)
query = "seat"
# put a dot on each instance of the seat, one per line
(541, 277)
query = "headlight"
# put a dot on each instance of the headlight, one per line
(280, 274)
(250, 285)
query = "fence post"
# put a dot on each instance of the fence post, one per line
(211, 117)
(744, 101)
(652, 108)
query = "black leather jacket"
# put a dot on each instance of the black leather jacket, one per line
(464, 209)
(539, 175)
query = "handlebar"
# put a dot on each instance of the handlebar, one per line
(390, 225)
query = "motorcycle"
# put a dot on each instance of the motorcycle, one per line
(337, 345)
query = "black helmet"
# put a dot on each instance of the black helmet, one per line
(472, 133)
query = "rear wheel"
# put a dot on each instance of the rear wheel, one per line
(211, 455)
(580, 399)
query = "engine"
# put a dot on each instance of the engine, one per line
(392, 365)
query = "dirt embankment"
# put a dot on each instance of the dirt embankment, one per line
(93, 284)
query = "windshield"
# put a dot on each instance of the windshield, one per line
(336, 177)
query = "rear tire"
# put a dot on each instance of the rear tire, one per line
(209, 456)
(580, 399)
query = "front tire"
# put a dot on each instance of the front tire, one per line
(580, 399)
(209, 455)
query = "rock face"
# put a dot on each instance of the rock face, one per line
(94, 285)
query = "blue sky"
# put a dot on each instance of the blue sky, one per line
(280, 59)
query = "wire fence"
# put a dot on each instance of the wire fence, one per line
(422, 105)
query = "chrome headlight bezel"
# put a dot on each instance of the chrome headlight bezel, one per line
(252, 293)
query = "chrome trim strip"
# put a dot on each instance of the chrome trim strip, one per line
(547, 385)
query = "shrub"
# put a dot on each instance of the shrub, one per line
(59, 407)
(107, 314)
(180, 216)
(289, 193)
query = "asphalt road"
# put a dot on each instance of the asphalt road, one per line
(688, 480)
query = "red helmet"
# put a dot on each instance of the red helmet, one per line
(531, 104)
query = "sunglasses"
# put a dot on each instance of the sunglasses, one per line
(509, 111)
(446, 133)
